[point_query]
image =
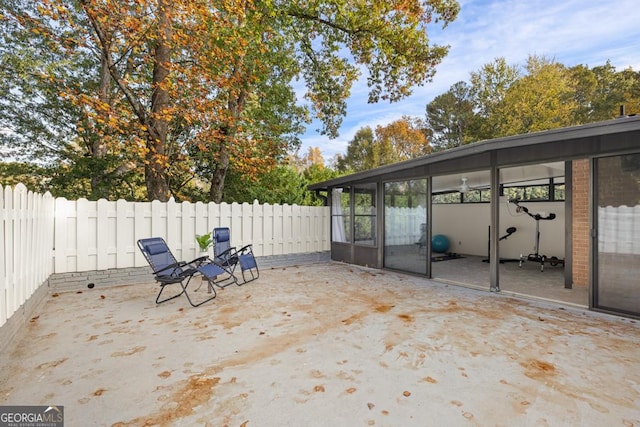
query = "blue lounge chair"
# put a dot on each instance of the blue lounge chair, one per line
(228, 256)
(168, 271)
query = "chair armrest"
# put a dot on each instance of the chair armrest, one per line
(248, 247)
(174, 265)
(198, 260)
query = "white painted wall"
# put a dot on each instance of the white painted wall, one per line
(466, 227)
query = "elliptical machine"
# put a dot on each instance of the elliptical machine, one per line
(536, 257)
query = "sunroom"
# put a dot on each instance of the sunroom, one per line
(552, 215)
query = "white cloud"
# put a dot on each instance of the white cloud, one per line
(572, 32)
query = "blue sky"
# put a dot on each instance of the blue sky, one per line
(573, 32)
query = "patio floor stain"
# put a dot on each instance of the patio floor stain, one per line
(325, 344)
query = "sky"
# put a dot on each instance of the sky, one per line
(573, 32)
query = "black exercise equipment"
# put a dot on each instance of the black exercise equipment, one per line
(446, 257)
(510, 231)
(536, 257)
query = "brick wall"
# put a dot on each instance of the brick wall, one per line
(20, 319)
(580, 229)
(616, 187)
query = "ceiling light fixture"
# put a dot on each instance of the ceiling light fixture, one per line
(464, 187)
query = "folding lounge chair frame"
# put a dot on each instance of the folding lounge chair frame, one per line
(227, 255)
(168, 271)
(248, 265)
(224, 254)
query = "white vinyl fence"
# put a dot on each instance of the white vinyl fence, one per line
(41, 235)
(403, 226)
(26, 240)
(102, 235)
(619, 229)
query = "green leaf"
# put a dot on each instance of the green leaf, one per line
(204, 241)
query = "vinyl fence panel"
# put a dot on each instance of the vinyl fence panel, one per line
(102, 235)
(619, 229)
(26, 244)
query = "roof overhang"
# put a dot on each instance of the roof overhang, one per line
(552, 146)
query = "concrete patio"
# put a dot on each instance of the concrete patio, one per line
(325, 344)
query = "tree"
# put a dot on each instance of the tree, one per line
(449, 116)
(614, 89)
(543, 99)
(388, 38)
(489, 86)
(313, 158)
(188, 89)
(400, 140)
(631, 90)
(28, 174)
(359, 154)
(406, 137)
(39, 65)
(584, 83)
(313, 174)
(284, 183)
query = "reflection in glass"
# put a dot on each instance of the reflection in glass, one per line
(340, 215)
(405, 230)
(364, 214)
(618, 222)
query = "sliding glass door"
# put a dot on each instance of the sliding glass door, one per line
(405, 225)
(617, 218)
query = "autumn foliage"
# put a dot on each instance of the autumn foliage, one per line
(188, 90)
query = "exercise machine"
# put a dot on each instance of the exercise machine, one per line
(510, 231)
(537, 257)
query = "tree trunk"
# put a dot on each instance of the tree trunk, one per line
(218, 177)
(235, 105)
(154, 170)
(156, 161)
